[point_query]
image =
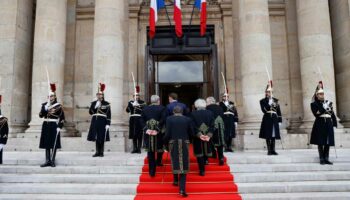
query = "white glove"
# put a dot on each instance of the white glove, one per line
(47, 107)
(270, 101)
(98, 104)
(107, 127)
(58, 130)
(135, 103)
(325, 106)
(280, 124)
(1, 146)
(226, 103)
(236, 124)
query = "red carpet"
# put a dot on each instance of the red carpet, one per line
(217, 184)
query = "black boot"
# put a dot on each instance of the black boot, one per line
(268, 145)
(201, 165)
(176, 180)
(229, 145)
(1, 156)
(48, 159)
(97, 153)
(220, 150)
(214, 152)
(273, 145)
(102, 149)
(321, 154)
(53, 158)
(183, 185)
(159, 159)
(139, 145)
(134, 146)
(326, 155)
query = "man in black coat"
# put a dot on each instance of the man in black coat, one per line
(153, 120)
(53, 115)
(100, 110)
(218, 140)
(322, 131)
(177, 138)
(4, 130)
(230, 118)
(134, 108)
(203, 125)
(271, 121)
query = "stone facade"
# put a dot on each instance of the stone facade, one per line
(83, 42)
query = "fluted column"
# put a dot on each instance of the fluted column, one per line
(340, 20)
(315, 50)
(110, 52)
(49, 51)
(255, 57)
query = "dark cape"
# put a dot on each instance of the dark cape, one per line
(203, 123)
(219, 125)
(4, 130)
(135, 123)
(230, 117)
(153, 118)
(271, 119)
(177, 138)
(49, 128)
(100, 118)
(322, 130)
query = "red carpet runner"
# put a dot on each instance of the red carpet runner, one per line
(217, 184)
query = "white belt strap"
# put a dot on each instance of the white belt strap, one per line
(51, 120)
(326, 116)
(271, 112)
(135, 115)
(98, 114)
(228, 113)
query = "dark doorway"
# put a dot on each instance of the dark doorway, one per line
(188, 93)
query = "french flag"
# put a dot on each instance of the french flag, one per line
(153, 15)
(202, 6)
(178, 18)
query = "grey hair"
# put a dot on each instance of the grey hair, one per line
(154, 99)
(200, 103)
(210, 100)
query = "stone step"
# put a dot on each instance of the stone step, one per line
(71, 178)
(292, 167)
(67, 188)
(291, 187)
(298, 196)
(252, 177)
(70, 169)
(64, 197)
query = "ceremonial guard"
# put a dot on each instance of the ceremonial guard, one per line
(218, 140)
(173, 102)
(230, 118)
(153, 121)
(203, 125)
(177, 138)
(100, 110)
(271, 121)
(322, 131)
(4, 130)
(134, 108)
(53, 115)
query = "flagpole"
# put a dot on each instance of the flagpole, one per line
(167, 14)
(189, 27)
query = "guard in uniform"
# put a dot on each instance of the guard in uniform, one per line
(218, 140)
(271, 121)
(53, 115)
(4, 130)
(100, 110)
(153, 120)
(203, 125)
(230, 118)
(177, 139)
(134, 108)
(322, 131)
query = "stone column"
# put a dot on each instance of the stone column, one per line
(255, 57)
(340, 20)
(315, 50)
(49, 51)
(16, 31)
(110, 52)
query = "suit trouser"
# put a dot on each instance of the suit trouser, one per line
(201, 163)
(182, 182)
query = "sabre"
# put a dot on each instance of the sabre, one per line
(133, 80)
(322, 78)
(54, 145)
(223, 78)
(48, 81)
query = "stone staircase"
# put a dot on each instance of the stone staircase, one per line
(293, 175)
